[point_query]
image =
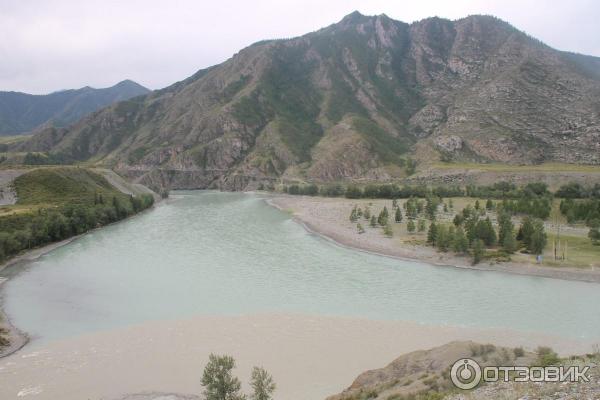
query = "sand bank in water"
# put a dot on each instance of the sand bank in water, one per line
(329, 217)
(310, 357)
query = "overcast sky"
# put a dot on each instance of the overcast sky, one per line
(57, 44)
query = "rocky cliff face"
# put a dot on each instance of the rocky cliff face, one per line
(351, 101)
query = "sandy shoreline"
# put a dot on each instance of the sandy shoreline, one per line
(19, 339)
(328, 217)
(310, 357)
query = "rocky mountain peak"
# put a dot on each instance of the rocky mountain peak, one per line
(352, 102)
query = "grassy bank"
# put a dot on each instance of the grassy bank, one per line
(57, 203)
(544, 167)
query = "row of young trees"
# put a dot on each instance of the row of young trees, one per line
(533, 199)
(587, 211)
(220, 384)
(24, 231)
(499, 190)
(577, 191)
(583, 211)
(373, 191)
(469, 234)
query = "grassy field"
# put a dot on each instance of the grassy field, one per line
(61, 185)
(545, 167)
(13, 139)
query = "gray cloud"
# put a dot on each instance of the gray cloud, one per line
(57, 44)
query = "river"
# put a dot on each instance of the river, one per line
(210, 253)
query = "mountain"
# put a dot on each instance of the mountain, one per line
(22, 112)
(359, 100)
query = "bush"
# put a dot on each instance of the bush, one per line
(547, 356)
(519, 352)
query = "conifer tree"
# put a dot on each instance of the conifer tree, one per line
(432, 234)
(410, 227)
(398, 216)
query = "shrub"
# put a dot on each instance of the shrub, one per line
(547, 356)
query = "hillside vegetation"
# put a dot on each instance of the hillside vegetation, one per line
(22, 112)
(57, 203)
(366, 99)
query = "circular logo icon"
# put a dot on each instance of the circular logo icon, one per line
(465, 373)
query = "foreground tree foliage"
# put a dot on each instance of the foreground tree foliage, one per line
(218, 380)
(262, 384)
(220, 384)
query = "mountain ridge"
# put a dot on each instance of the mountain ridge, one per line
(354, 101)
(23, 112)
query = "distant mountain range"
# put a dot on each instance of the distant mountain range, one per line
(362, 99)
(22, 112)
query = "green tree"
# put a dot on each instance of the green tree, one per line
(484, 230)
(421, 225)
(526, 231)
(353, 192)
(411, 208)
(506, 234)
(432, 234)
(477, 205)
(460, 244)
(382, 219)
(218, 381)
(478, 251)
(398, 216)
(505, 226)
(431, 207)
(539, 239)
(367, 213)
(443, 238)
(373, 221)
(410, 227)
(594, 235)
(458, 220)
(489, 205)
(262, 384)
(510, 244)
(387, 230)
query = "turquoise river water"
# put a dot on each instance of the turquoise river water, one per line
(231, 253)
